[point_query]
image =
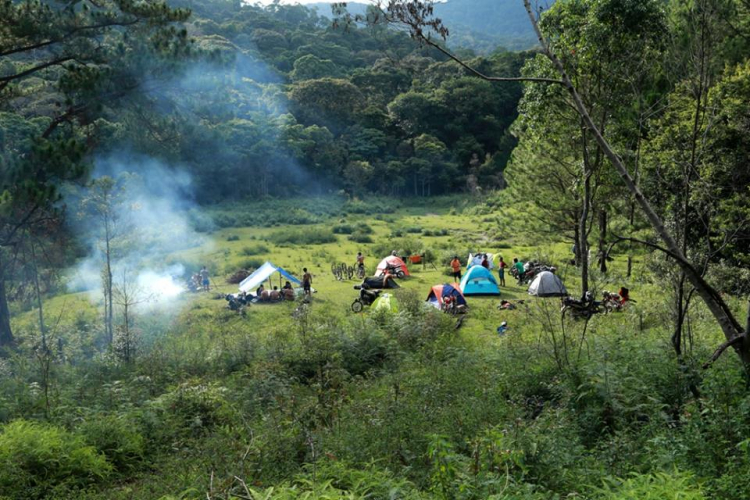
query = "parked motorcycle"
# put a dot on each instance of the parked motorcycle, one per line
(394, 271)
(581, 309)
(366, 297)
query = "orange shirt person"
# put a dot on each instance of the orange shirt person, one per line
(456, 268)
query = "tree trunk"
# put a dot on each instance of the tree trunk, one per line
(38, 291)
(6, 334)
(715, 303)
(603, 241)
(680, 316)
(108, 309)
(577, 245)
(583, 240)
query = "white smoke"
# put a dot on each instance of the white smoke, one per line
(154, 213)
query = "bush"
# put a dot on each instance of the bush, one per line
(359, 237)
(352, 228)
(657, 486)
(255, 249)
(194, 408)
(117, 439)
(233, 237)
(250, 264)
(730, 279)
(307, 236)
(370, 207)
(39, 460)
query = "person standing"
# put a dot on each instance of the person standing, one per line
(360, 265)
(306, 282)
(519, 269)
(205, 278)
(456, 268)
(501, 270)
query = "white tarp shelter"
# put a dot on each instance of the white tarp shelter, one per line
(476, 260)
(547, 284)
(262, 274)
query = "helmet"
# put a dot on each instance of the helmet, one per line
(504, 323)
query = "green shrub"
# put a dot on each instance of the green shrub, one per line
(352, 228)
(233, 237)
(359, 237)
(250, 264)
(117, 438)
(307, 236)
(374, 206)
(255, 249)
(39, 460)
(195, 408)
(730, 279)
(658, 486)
(343, 229)
(413, 229)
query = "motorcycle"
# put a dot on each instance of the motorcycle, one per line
(581, 309)
(529, 275)
(366, 298)
(611, 302)
(394, 271)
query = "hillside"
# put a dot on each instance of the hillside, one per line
(481, 25)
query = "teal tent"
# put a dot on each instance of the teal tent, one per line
(479, 281)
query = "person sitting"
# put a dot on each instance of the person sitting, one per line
(502, 328)
(447, 303)
(287, 286)
(287, 293)
(275, 294)
(259, 291)
(624, 295)
(504, 304)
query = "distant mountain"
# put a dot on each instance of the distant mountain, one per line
(482, 25)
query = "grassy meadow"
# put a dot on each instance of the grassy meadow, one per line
(325, 403)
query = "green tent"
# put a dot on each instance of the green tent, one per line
(386, 302)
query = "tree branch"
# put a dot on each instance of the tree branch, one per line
(5, 80)
(720, 350)
(70, 34)
(481, 75)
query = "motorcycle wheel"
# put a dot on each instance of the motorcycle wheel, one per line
(401, 275)
(357, 306)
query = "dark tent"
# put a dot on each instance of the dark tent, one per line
(379, 282)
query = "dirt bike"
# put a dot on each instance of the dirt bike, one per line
(366, 298)
(611, 302)
(393, 271)
(580, 309)
(527, 276)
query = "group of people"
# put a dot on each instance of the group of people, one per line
(483, 260)
(199, 281)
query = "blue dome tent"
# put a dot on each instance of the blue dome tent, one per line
(479, 281)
